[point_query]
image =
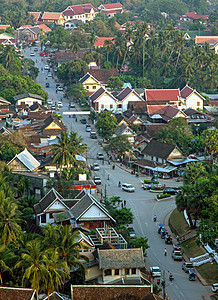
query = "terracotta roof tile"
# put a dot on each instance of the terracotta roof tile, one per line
(162, 95)
(186, 91)
(100, 41)
(36, 15)
(113, 6)
(211, 40)
(194, 16)
(82, 8)
(51, 15)
(4, 27)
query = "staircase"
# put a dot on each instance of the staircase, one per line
(188, 235)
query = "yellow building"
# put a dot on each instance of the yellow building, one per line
(83, 13)
(53, 18)
(90, 83)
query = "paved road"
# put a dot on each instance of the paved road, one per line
(142, 204)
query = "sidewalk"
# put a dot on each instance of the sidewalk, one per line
(174, 240)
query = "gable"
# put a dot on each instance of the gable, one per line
(176, 153)
(132, 97)
(57, 205)
(180, 114)
(94, 213)
(91, 80)
(53, 125)
(194, 97)
(128, 131)
(106, 98)
(17, 165)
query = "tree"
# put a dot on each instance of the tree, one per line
(123, 216)
(106, 123)
(211, 143)
(115, 83)
(120, 144)
(9, 219)
(72, 71)
(77, 91)
(140, 242)
(193, 172)
(5, 254)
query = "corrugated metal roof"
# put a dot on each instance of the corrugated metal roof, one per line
(28, 160)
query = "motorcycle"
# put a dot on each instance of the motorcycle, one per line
(155, 218)
(171, 278)
(137, 174)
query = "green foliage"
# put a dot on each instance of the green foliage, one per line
(120, 144)
(123, 216)
(72, 71)
(115, 83)
(150, 181)
(58, 37)
(106, 123)
(138, 242)
(77, 91)
(162, 196)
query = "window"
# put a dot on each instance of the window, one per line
(50, 215)
(102, 105)
(127, 271)
(117, 272)
(156, 158)
(119, 105)
(133, 271)
(180, 104)
(87, 87)
(198, 103)
(152, 158)
(163, 161)
(108, 272)
(94, 87)
(111, 106)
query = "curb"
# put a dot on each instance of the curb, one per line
(167, 198)
(166, 222)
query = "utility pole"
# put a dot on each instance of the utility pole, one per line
(105, 191)
(164, 285)
(143, 58)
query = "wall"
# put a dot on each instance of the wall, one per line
(28, 101)
(193, 100)
(107, 101)
(131, 97)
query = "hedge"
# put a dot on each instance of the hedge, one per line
(161, 196)
(157, 188)
(151, 181)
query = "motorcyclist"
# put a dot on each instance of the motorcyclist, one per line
(171, 277)
(155, 218)
(119, 184)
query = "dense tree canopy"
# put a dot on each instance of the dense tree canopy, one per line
(106, 123)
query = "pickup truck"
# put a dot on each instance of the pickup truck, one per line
(155, 271)
(177, 255)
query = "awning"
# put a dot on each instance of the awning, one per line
(160, 169)
(183, 161)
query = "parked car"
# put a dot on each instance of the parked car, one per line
(60, 104)
(192, 275)
(147, 186)
(72, 105)
(49, 74)
(155, 271)
(88, 124)
(186, 266)
(170, 191)
(93, 135)
(47, 85)
(46, 67)
(49, 102)
(177, 255)
(97, 180)
(168, 239)
(32, 54)
(176, 247)
(88, 129)
(83, 120)
(214, 287)
(163, 233)
(100, 156)
(160, 226)
(53, 107)
(35, 49)
(60, 88)
(127, 187)
(131, 232)
(74, 116)
(95, 167)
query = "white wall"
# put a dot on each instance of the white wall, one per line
(106, 100)
(94, 213)
(131, 97)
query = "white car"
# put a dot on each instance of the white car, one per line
(97, 180)
(49, 102)
(32, 54)
(128, 187)
(53, 107)
(60, 104)
(49, 74)
(46, 67)
(60, 88)
(88, 129)
(95, 167)
(100, 156)
(214, 287)
(155, 271)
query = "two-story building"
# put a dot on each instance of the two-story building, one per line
(82, 12)
(111, 9)
(53, 18)
(28, 99)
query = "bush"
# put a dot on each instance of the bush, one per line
(161, 196)
(151, 181)
(157, 188)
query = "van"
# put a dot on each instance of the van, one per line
(177, 255)
(93, 135)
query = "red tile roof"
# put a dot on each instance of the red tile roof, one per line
(211, 40)
(45, 28)
(112, 11)
(113, 6)
(68, 12)
(162, 95)
(51, 16)
(186, 91)
(117, 25)
(100, 41)
(194, 16)
(82, 8)
(4, 27)
(36, 15)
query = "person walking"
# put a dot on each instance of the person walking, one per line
(165, 252)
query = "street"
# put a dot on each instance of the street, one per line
(142, 203)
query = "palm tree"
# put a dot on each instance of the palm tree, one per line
(107, 46)
(8, 55)
(92, 39)
(32, 262)
(5, 254)
(98, 56)
(57, 271)
(9, 218)
(76, 144)
(62, 153)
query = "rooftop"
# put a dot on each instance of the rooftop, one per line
(158, 149)
(121, 258)
(162, 95)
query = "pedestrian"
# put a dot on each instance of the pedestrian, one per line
(124, 202)
(122, 205)
(76, 119)
(165, 252)
(36, 61)
(56, 91)
(108, 177)
(103, 162)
